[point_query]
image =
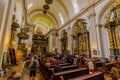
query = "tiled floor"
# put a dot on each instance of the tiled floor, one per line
(39, 76)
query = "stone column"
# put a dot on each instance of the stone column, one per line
(50, 43)
(59, 42)
(5, 28)
(93, 33)
(105, 41)
(100, 40)
(54, 44)
(68, 31)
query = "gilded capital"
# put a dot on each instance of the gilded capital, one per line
(92, 14)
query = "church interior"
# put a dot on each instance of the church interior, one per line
(59, 39)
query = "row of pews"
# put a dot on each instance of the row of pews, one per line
(105, 67)
(69, 72)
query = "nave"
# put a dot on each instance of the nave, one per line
(60, 39)
(39, 75)
(65, 67)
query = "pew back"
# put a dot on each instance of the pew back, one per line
(94, 76)
(65, 64)
(98, 65)
(70, 73)
(108, 66)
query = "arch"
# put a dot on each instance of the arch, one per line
(104, 9)
(63, 5)
(40, 12)
(103, 34)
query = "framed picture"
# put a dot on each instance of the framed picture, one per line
(95, 52)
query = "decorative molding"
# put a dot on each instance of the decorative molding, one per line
(92, 14)
(99, 25)
(50, 32)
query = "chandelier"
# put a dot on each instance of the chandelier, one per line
(46, 6)
(23, 34)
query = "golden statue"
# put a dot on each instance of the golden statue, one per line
(118, 2)
(78, 25)
(107, 18)
(15, 19)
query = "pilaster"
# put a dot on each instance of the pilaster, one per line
(93, 32)
(5, 29)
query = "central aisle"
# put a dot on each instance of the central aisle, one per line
(39, 76)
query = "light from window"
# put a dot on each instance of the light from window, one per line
(75, 5)
(30, 5)
(61, 18)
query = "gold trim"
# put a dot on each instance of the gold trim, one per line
(105, 8)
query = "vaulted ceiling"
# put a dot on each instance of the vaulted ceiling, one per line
(59, 13)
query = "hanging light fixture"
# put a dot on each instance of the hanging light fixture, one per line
(23, 34)
(49, 1)
(46, 6)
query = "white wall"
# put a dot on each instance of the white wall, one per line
(5, 26)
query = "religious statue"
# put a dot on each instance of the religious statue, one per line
(107, 18)
(118, 2)
(14, 18)
(64, 40)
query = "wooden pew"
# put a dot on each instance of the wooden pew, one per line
(93, 76)
(70, 67)
(70, 74)
(43, 69)
(108, 66)
(64, 68)
(65, 64)
(98, 65)
(47, 71)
